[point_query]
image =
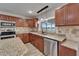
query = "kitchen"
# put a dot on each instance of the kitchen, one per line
(47, 29)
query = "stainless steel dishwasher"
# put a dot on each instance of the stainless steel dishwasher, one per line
(50, 47)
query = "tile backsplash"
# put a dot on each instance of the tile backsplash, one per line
(21, 30)
(71, 32)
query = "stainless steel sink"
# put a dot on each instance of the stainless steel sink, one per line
(44, 33)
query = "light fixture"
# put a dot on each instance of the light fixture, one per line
(30, 12)
(41, 19)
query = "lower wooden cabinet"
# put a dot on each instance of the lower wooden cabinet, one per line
(64, 51)
(24, 37)
(37, 41)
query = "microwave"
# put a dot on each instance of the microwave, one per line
(7, 24)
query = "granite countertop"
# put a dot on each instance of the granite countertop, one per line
(71, 44)
(53, 36)
(12, 47)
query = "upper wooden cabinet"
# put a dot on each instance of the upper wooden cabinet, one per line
(21, 23)
(8, 18)
(32, 22)
(59, 17)
(67, 15)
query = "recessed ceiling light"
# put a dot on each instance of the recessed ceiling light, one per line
(30, 12)
(41, 19)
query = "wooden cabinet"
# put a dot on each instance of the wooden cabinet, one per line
(8, 18)
(21, 23)
(64, 51)
(37, 41)
(67, 15)
(32, 22)
(59, 16)
(73, 12)
(25, 24)
(24, 37)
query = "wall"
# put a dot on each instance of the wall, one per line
(71, 32)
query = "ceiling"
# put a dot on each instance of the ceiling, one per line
(23, 8)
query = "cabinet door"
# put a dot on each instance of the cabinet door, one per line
(24, 37)
(20, 36)
(32, 22)
(19, 23)
(25, 24)
(39, 42)
(68, 15)
(73, 12)
(64, 51)
(60, 17)
(31, 37)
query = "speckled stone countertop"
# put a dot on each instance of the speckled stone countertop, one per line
(71, 44)
(12, 47)
(53, 36)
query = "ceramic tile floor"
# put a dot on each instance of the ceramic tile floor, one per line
(33, 51)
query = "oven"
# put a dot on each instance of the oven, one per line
(7, 29)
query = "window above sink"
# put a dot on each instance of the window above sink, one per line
(48, 26)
